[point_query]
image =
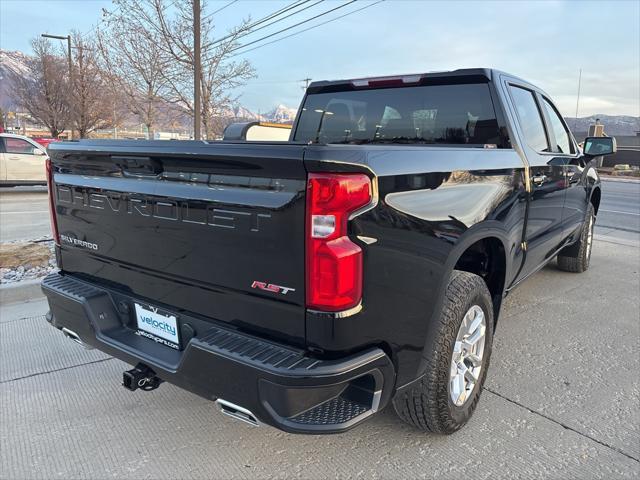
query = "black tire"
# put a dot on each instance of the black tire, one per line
(427, 404)
(575, 258)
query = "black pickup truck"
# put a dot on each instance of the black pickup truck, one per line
(309, 284)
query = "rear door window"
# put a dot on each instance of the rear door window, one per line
(430, 114)
(530, 119)
(563, 140)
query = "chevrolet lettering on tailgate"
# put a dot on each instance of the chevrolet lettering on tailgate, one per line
(165, 209)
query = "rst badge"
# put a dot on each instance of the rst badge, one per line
(270, 287)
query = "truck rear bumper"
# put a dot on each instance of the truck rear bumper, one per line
(281, 386)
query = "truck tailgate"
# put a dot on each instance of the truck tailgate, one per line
(208, 229)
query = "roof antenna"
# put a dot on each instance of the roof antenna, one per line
(575, 121)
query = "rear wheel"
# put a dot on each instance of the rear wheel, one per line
(445, 397)
(576, 257)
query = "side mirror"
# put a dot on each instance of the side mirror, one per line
(37, 151)
(597, 146)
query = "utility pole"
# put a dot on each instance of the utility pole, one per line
(115, 124)
(306, 82)
(197, 67)
(68, 39)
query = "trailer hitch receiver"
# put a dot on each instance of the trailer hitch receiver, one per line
(141, 377)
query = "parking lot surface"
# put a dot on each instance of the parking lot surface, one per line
(562, 401)
(619, 212)
(24, 213)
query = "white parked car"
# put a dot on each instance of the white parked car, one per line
(22, 161)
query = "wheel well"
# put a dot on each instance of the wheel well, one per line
(595, 200)
(486, 258)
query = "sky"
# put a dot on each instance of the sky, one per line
(544, 42)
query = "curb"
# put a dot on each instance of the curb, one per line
(21, 291)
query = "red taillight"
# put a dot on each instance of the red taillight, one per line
(52, 212)
(334, 262)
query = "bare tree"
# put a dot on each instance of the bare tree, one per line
(44, 92)
(89, 99)
(170, 24)
(135, 64)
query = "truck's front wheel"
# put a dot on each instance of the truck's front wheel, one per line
(445, 397)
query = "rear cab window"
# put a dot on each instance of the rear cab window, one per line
(460, 114)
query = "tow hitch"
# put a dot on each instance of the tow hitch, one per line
(141, 377)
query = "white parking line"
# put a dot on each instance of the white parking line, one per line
(618, 211)
(22, 213)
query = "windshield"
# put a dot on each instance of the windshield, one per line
(433, 114)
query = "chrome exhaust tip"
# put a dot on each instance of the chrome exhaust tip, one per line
(237, 412)
(70, 334)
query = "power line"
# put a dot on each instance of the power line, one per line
(307, 29)
(221, 8)
(105, 12)
(294, 26)
(291, 5)
(172, 3)
(277, 13)
(279, 19)
(249, 29)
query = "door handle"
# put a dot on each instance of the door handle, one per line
(14, 158)
(572, 176)
(539, 179)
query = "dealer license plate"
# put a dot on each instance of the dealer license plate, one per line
(157, 326)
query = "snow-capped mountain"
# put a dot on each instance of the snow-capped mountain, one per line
(281, 114)
(12, 64)
(241, 112)
(613, 124)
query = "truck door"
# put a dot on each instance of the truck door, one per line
(575, 205)
(547, 179)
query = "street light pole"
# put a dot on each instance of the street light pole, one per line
(197, 66)
(68, 39)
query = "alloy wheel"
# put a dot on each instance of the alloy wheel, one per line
(468, 351)
(589, 237)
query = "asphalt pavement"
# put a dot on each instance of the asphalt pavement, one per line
(620, 206)
(562, 401)
(562, 398)
(24, 213)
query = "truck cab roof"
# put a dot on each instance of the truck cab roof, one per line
(462, 75)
